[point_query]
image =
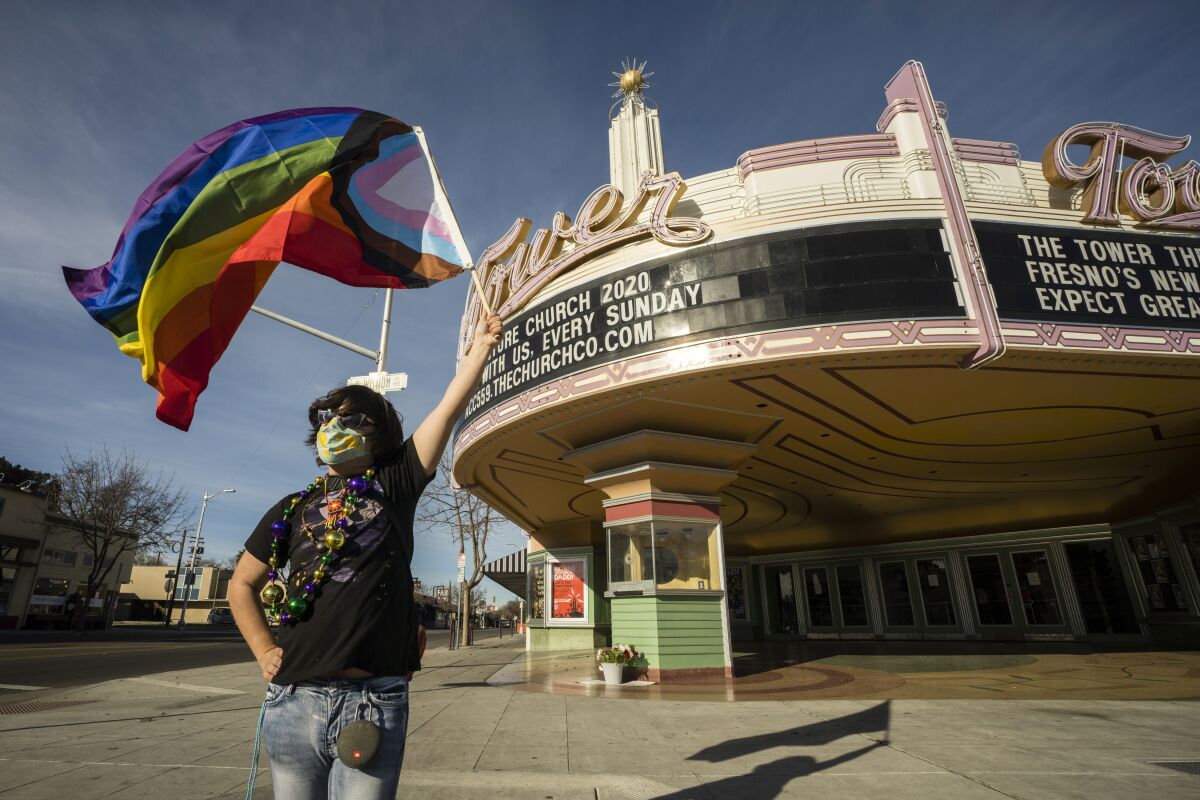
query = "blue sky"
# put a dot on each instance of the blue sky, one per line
(99, 97)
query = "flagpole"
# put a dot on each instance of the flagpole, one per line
(381, 361)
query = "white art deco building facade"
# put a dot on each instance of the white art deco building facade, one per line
(895, 385)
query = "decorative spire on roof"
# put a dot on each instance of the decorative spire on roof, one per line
(632, 78)
(635, 143)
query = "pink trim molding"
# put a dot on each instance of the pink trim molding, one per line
(838, 148)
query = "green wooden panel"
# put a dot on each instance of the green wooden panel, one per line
(544, 639)
(672, 632)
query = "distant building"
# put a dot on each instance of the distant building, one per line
(145, 595)
(44, 567)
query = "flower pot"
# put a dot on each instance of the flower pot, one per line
(612, 672)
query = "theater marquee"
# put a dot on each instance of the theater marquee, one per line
(1097, 277)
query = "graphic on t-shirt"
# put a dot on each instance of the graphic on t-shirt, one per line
(368, 528)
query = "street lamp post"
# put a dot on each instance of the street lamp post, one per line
(195, 551)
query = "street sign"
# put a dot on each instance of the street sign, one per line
(462, 567)
(381, 382)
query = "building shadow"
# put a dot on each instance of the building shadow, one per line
(762, 656)
(768, 780)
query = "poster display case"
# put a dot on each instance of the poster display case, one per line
(559, 589)
(1154, 566)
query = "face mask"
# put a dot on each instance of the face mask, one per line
(336, 443)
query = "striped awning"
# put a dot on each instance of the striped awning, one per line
(508, 571)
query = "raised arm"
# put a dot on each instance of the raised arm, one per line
(433, 433)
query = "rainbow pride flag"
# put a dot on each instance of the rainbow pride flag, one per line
(348, 193)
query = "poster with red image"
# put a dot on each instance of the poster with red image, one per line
(566, 590)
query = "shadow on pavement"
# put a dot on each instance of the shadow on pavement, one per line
(766, 781)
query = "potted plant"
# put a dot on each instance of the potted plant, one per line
(613, 661)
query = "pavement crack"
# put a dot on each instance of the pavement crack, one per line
(493, 733)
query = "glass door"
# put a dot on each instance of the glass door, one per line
(783, 618)
(937, 601)
(818, 593)
(1100, 586)
(852, 598)
(1036, 591)
(917, 597)
(898, 615)
(992, 597)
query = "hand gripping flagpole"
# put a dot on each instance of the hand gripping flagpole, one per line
(443, 200)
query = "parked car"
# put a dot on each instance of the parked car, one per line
(220, 616)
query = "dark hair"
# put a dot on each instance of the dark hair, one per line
(388, 439)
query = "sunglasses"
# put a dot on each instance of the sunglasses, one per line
(355, 421)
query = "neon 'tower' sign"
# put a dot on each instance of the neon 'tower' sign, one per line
(513, 271)
(1151, 192)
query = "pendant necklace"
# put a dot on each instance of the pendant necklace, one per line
(336, 528)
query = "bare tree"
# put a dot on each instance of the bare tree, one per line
(234, 559)
(42, 484)
(114, 505)
(470, 522)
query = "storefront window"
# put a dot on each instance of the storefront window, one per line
(192, 591)
(663, 554)
(735, 593)
(1159, 579)
(10, 552)
(537, 592)
(568, 592)
(49, 596)
(64, 557)
(1036, 586)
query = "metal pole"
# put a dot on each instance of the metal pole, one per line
(381, 358)
(300, 326)
(187, 587)
(175, 583)
(195, 546)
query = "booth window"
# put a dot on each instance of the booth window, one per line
(663, 554)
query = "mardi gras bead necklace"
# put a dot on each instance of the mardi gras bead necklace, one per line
(334, 531)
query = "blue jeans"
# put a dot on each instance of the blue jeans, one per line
(300, 732)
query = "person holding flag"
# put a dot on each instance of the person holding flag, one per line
(354, 196)
(346, 639)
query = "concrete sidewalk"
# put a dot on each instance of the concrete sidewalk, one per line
(188, 734)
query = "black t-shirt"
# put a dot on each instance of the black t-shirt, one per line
(363, 614)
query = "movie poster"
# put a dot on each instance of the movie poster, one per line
(566, 590)
(735, 593)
